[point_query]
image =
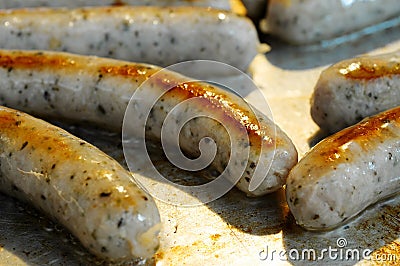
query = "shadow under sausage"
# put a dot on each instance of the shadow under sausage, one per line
(373, 235)
(317, 137)
(311, 56)
(257, 216)
(253, 215)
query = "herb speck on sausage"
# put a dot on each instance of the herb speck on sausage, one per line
(24, 145)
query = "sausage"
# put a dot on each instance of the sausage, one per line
(346, 172)
(70, 87)
(78, 185)
(220, 4)
(353, 89)
(312, 21)
(97, 91)
(155, 35)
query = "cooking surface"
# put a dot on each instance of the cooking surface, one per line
(234, 230)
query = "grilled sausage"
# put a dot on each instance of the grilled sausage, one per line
(97, 90)
(345, 173)
(77, 185)
(310, 21)
(356, 88)
(155, 35)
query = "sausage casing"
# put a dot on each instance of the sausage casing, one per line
(156, 35)
(353, 89)
(345, 173)
(98, 90)
(78, 185)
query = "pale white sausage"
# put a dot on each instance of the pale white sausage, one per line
(78, 185)
(156, 35)
(97, 90)
(346, 172)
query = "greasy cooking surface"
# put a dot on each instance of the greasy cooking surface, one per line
(233, 230)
